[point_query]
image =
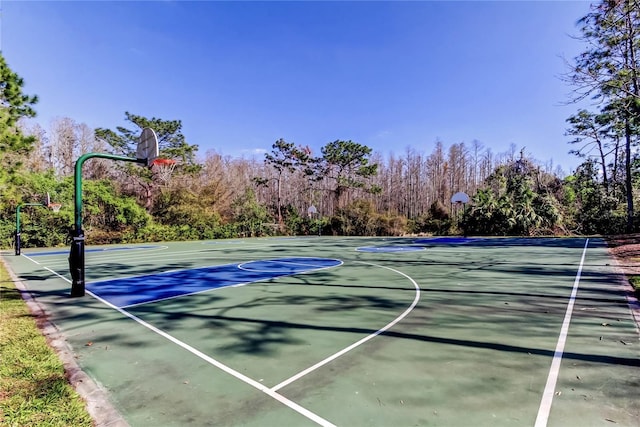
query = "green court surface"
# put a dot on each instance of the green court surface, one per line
(351, 331)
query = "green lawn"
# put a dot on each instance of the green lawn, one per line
(635, 282)
(33, 388)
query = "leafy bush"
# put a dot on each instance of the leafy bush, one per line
(356, 219)
(391, 225)
(436, 221)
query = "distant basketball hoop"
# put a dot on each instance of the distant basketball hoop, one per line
(313, 213)
(457, 200)
(460, 198)
(55, 207)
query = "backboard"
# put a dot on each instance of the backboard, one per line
(148, 146)
(47, 203)
(460, 197)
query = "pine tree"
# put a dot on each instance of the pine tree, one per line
(14, 105)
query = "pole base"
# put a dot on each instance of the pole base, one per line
(76, 264)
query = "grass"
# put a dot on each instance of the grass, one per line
(635, 282)
(33, 388)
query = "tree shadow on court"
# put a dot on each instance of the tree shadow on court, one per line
(109, 270)
(33, 277)
(268, 332)
(263, 331)
(506, 242)
(260, 334)
(613, 296)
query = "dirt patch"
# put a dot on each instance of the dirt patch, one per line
(626, 250)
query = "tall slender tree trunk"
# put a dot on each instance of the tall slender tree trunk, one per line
(279, 201)
(630, 61)
(627, 169)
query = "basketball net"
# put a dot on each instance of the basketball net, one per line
(55, 207)
(163, 169)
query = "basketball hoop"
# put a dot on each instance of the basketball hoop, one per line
(460, 198)
(55, 207)
(163, 168)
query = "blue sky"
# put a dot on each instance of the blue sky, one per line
(240, 75)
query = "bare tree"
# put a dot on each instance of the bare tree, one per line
(39, 159)
(437, 169)
(68, 141)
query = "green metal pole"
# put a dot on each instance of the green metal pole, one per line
(17, 237)
(76, 253)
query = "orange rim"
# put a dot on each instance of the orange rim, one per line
(163, 162)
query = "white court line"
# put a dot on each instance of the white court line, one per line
(46, 268)
(280, 398)
(312, 267)
(31, 259)
(363, 340)
(549, 389)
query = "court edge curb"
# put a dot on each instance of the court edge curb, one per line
(98, 405)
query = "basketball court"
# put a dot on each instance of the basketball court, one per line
(339, 331)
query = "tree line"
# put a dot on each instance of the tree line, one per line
(345, 188)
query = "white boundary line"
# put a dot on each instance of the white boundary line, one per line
(46, 268)
(31, 259)
(549, 389)
(363, 340)
(272, 393)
